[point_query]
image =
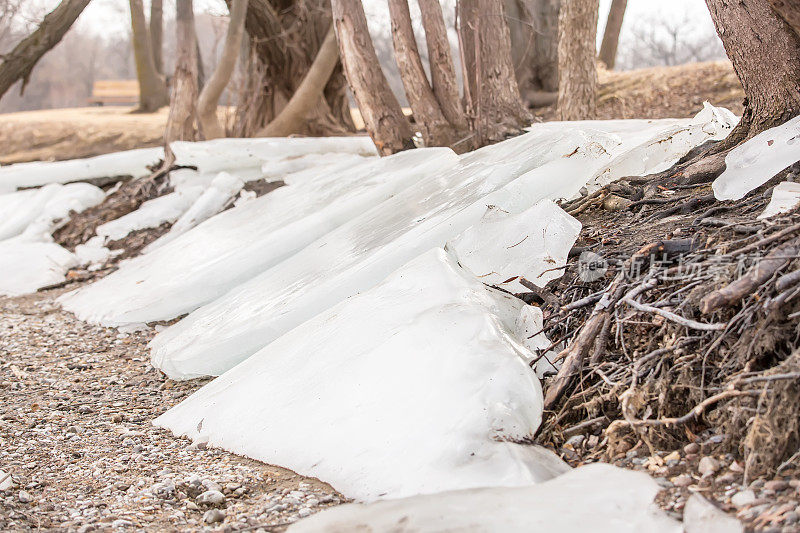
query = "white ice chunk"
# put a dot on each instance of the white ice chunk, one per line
(504, 248)
(664, 149)
(151, 214)
(785, 198)
(416, 386)
(92, 252)
(359, 254)
(597, 498)
(226, 154)
(130, 163)
(213, 200)
(753, 163)
(27, 266)
(236, 245)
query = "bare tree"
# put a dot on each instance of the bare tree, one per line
(789, 10)
(577, 31)
(18, 64)
(152, 88)
(765, 53)
(8, 13)
(180, 123)
(157, 33)
(608, 48)
(491, 92)
(533, 26)
(436, 130)
(382, 115)
(209, 97)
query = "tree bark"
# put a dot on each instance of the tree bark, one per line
(277, 66)
(577, 32)
(383, 118)
(180, 123)
(157, 33)
(765, 53)
(789, 10)
(443, 72)
(18, 64)
(208, 101)
(435, 129)
(608, 49)
(291, 119)
(490, 89)
(152, 88)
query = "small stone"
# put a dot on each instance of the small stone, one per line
(304, 512)
(726, 479)
(673, 458)
(213, 516)
(691, 448)
(743, 498)
(24, 497)
(612, 202)
(5, 481)
(117, 418)
(708, 466)
(682, 481)
(211, 497)
(736, 467)
(84, 410)
(120, 523)
(776, 484)
(312, 502)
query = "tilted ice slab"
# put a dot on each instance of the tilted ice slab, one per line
(357, 255)
(599, 498)
(416, 386)
(236, 245)
(34, 213)
(130, 163)
(504, 248)
(785, 198)
(753, 163)
(27, 265)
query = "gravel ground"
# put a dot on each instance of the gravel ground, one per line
(76, 405)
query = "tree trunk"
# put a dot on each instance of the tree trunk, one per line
(383, 118)
(789, 10)
(765, 53)
(435, 129)
(277, 66)
(577, 32)
(152, 88)
(18, 64)
(544, 14)
(490, 88)
(608, 49)
(157, 33)
(443, 72)
(291, 119)
(180, 124)
(209, 98)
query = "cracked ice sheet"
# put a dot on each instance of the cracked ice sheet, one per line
(357, 255)
(599, 498)
(752, 164)
(416, 386)
(236, 245)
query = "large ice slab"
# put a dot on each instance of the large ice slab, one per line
(753, 163)
(357, 255)
(416, 386)
(599, 498)
(27, 266)
(232, 247)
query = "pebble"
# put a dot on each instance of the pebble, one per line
(708, 466)
(24, 497)
(691, 448)
(777, 485)
(682, 481)
(743, 498)
(304, 512)
(213, 516)
(211, 497)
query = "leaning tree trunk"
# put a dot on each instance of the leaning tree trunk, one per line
(292, 118)
(577, 31)
(789, 10)
(208, 101)
(490, 85)
(180, 124)
(765, 53)
(152, 88)
(443, 72)
(383, 118)
(608, 49)
(157, 33)
(435, 129)
(284, 38)
(19, 62)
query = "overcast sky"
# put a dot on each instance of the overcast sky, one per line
(111, 15)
